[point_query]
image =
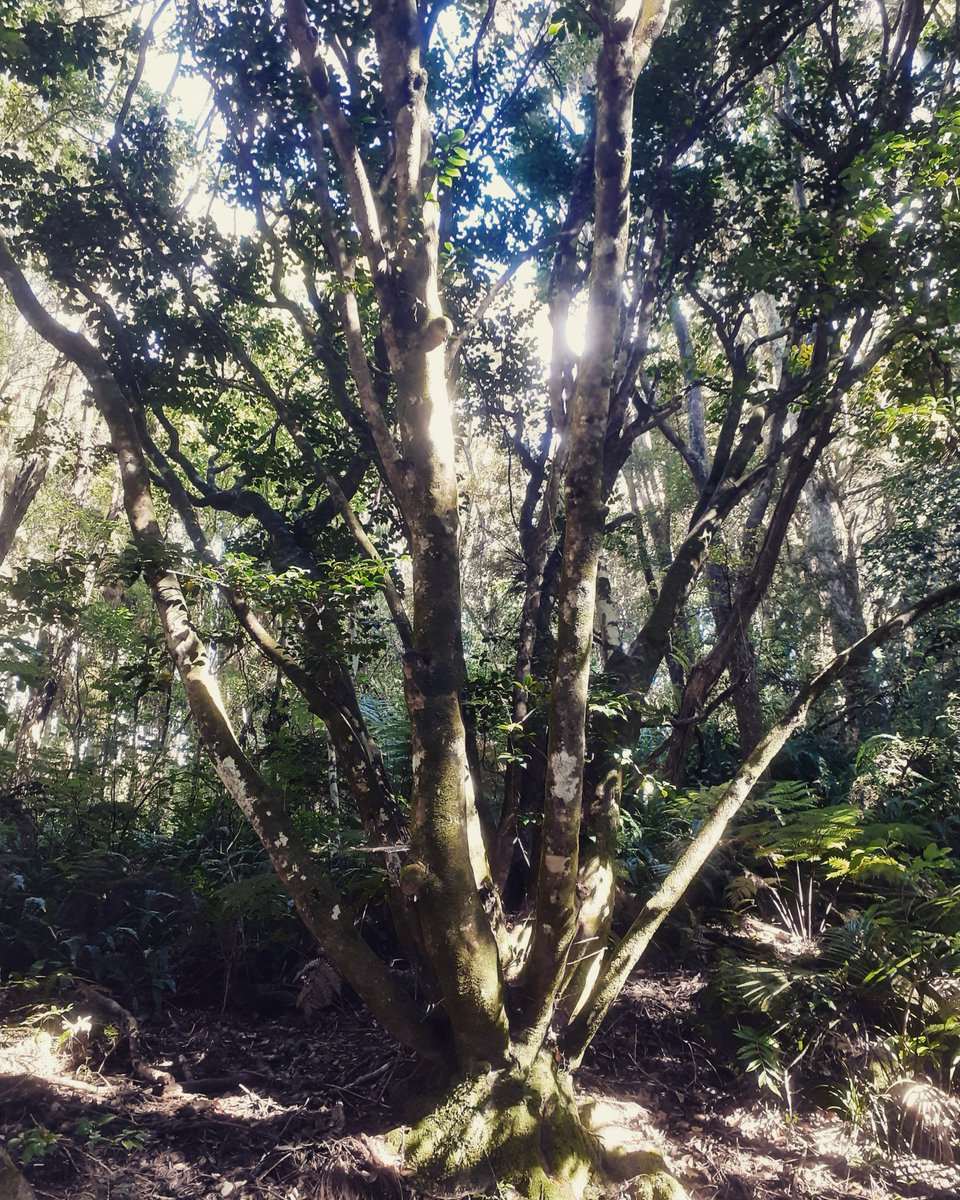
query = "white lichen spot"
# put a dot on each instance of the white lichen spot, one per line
(282, 839)
(566, 775)
(335, 915)
(229, 773)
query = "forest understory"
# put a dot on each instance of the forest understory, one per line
(479, 527)
(280, 1106)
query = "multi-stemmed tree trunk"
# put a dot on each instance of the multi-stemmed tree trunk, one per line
(503, 1026)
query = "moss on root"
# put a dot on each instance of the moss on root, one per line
(658, 1185)
(626, 1156)
(516, 1134)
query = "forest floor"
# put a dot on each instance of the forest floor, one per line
(275, 1109)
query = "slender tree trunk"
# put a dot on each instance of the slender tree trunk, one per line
(608, 627)
(625, 45)
(23, 477)
(55, 643)
(721, 581)
(658, 522)
(836, 565)
(751, 589)
(722, 585)
(333, 785)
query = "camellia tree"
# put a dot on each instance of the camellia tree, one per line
(751, 204)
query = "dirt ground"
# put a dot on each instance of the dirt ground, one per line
(276, 1109)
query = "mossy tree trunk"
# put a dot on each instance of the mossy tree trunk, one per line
(501, 1031)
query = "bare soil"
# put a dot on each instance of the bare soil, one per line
(277, 1109)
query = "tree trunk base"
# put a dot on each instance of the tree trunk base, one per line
(13, 1186)
(520, 1135)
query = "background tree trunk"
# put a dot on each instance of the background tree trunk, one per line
(23, 475)
(830, 547)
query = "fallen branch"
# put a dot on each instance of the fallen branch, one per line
(131, 1029)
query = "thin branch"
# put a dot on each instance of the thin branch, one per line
(455, 344)
(303, 36)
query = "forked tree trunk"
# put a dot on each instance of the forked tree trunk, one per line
(507, 1118)
(816, 427)
(722, 582)
(447, 869)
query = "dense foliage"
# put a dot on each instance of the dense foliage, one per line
(762, 470)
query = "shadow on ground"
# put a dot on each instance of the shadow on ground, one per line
(276, 1110)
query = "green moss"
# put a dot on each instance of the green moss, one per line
(501, 1128)
(657, 1186)
(511, 1133)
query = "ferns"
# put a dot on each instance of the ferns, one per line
(760, 1054)
(391, 729)
(864, 995)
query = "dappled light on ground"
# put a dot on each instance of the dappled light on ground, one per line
(278, 1109)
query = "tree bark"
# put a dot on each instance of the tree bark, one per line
(752, 587)
(55, 644)
(22, 478)
(626, 41)
(608, 626)
(720, 584)
(313, 893)
(447, 869)
(836, 564)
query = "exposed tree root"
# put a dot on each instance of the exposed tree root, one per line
(13, 1186)
(626, 1160)
(520, 1135)
(128, 1023)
